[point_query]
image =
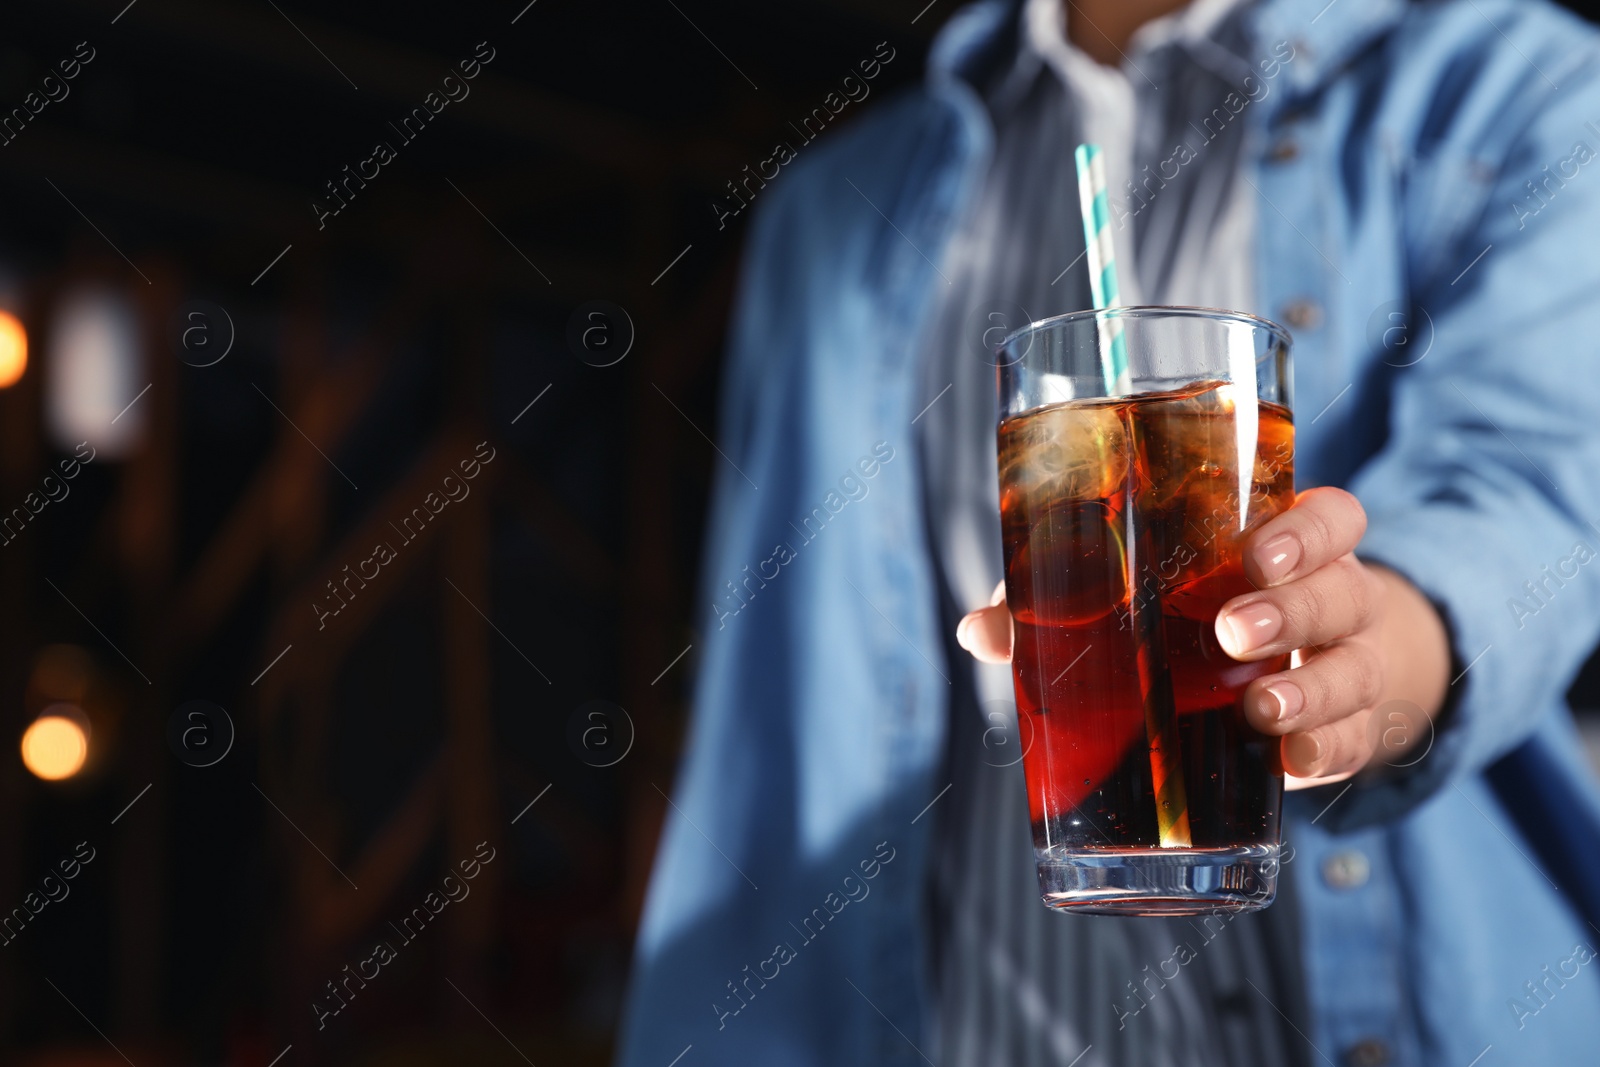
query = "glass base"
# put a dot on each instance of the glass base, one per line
(1154, 881)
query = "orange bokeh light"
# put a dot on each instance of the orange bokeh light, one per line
(13, 349)
(54, 747)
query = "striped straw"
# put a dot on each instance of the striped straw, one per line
(1093, 200)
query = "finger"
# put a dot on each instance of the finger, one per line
(1333, 602)
(1345, 678)
(1291, 783)
(986, 633)
(1323, 525)
(1337, 748)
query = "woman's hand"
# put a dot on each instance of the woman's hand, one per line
(1362, 636)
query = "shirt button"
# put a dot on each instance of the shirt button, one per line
(1302, 314)
(1347, 870)
(1284, 150)
(1368, 1053)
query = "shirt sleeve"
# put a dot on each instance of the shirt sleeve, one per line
(1486, 491)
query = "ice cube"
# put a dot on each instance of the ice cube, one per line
(1191, 447)
(1067, 452)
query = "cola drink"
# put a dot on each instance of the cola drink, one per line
(1123, 521)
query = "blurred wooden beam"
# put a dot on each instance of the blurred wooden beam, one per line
(471, 812)
(281, 491)
(545, 513)
(326, 640)
(655, 622)
(147, 506)
(337, 918)
(180, 188)
(398, 76)
(173, 184)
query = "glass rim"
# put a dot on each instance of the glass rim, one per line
(1138, 311)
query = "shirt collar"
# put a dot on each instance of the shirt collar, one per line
(982, 38)
(1042, 43)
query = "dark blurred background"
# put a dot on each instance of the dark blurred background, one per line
(253, 743)
(548, 238)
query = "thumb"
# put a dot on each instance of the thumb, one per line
(986, 633)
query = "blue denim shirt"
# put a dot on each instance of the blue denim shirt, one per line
(1431, 161)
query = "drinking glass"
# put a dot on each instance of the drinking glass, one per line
(1124, 505)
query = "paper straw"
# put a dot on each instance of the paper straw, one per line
(1155, 676)
(1093, 201)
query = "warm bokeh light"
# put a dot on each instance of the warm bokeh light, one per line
(93, 373)
(13, 349)
(61, 674)
(54, 747)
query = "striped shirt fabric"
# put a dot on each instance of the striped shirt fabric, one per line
(1017, 984)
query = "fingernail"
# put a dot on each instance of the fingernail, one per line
(1248, 626)
(962, 628)
(1281, 701)
(1278, 558)
(1303, 751)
